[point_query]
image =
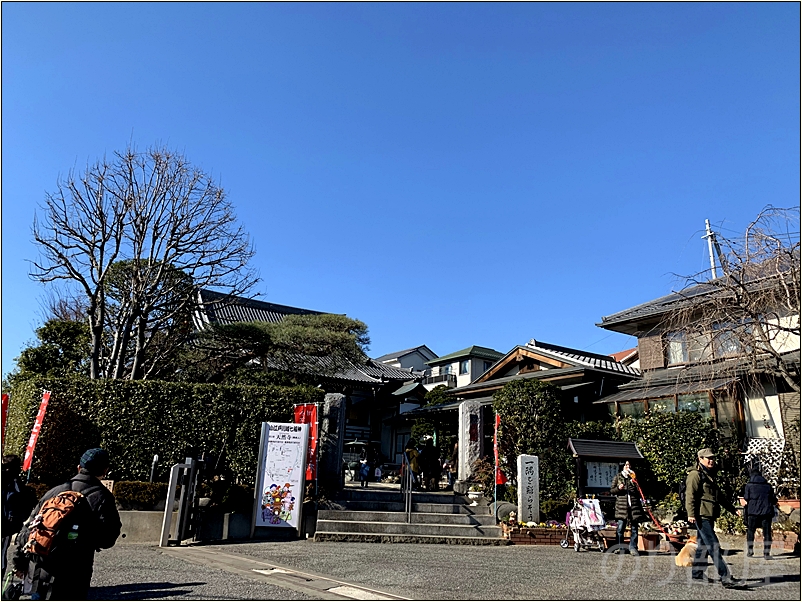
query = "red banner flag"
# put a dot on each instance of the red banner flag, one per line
(5, 414)
(37, 427)
(501, 478)
(307, 414)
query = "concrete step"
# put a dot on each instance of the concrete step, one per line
(400, 517)
(421, 497)
(398, 506)
(403, 528)
(406, 538)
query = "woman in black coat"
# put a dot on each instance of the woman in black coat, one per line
(628, 508)
(760, 502)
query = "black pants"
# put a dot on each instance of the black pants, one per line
(762, 521)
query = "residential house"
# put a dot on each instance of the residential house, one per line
(707, 368)
(461, 367)
(411, 359)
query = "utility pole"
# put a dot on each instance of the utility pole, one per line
(710, 237)
(711, 243)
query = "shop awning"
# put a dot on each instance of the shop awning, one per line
(591, 448)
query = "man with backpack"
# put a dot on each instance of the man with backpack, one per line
(58, 542)
(703, 501)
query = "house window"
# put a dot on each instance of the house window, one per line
(463, 366)
(699, 347)
(666, 404)
(445, 369)
(696, 402)
(487, 366)
(631, 408)
(726, 340)
(676, 348)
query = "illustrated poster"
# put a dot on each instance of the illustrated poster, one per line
(281, 479)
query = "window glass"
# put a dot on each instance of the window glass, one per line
(726, 340)
(463, 367)
(696, 402)
(666, 404)
(445, 369)
(487, 366)
(699, 347)
(726, 416)
(676, 348)
(631, 408)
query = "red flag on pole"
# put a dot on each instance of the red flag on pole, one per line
(5, 413)
(37, 427)
(500, 477)
(306, 413)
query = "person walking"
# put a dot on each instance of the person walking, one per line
(628, 508)
(760, 503)
(72, 575)
(17, 501)
(703, 501)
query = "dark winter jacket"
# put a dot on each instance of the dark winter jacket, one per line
(759, 496)
(17, 503)
(627, 500)
(102, 530)
(703, 499)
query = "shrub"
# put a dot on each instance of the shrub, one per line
(730, 523)
(134, 420)
(139, 495)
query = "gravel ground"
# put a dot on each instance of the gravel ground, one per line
(426, 572)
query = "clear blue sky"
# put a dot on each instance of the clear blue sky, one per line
(451, 174)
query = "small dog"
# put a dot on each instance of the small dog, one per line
(685, 555)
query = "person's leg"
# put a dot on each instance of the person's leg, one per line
(619, 533)
(711, 540)
(6, 542)
(633, 538)
(700, 556)
(767, 539)
(751, 524)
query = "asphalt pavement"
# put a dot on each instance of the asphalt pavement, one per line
(303, 570)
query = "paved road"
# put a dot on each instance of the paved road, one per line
(304, 570)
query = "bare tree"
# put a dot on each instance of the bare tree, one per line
(136, 236)
(746, 319)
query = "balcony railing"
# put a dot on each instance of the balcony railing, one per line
(449, 380)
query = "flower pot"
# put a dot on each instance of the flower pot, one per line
(649, 541)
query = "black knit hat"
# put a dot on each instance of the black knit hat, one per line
(95, 461)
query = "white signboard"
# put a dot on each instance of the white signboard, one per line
(528, 489)
(281, 474)
(600, 474)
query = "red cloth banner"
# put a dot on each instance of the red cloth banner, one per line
(501, 478)
(307, 414)
(5, 414)
(37, 427)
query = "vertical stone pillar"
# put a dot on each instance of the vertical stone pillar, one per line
(332, 432)
(528, 489)
(470, 437)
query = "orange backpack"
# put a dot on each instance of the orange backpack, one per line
(58, 520)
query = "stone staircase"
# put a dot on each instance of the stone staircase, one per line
(365, 515)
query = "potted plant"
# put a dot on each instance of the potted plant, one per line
(474, 493)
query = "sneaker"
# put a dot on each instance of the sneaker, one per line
(768, 557)
(698, 576)
(731, 582)
(750, 553)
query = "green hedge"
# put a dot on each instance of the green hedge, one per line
(139, 495)
(134, 420)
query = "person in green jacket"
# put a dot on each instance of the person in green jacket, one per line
(703, 501)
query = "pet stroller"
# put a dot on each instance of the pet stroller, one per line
(584, 523)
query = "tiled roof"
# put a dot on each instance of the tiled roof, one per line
(227, 309)
(485, 353)
(657, 307)
(584, 358)
(398, 354)
(622, 355)
(590, 448)
(369, 372)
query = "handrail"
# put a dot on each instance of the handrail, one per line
(406, 486)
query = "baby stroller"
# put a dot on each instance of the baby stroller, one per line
(584, 523)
